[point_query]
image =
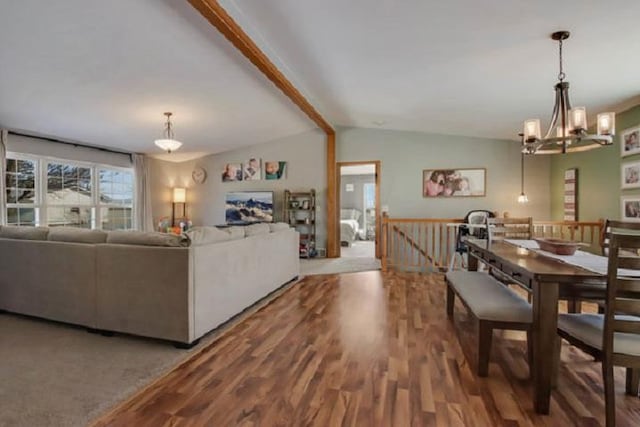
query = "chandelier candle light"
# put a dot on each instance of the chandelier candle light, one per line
(167, 143)
(568, 124)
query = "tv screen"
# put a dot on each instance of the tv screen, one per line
(243, 207)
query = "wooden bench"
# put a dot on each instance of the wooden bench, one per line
(493, 304)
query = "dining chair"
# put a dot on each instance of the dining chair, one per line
(611, 226)
(588, 291)
(612, 337)
(509, 228)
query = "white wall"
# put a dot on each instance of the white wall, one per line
(404, 155)
(304, 153)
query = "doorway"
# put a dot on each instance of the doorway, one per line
(359, 201)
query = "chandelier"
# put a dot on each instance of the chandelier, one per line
(567, 131)
(167, 143)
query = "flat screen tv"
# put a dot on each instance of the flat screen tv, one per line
(247, 207)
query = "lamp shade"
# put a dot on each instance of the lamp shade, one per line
(168, 145)
(179, 195)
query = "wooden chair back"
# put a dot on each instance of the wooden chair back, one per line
(623, 292)
(611, 226)
(509, 228)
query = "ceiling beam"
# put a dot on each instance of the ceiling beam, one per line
(219, 18)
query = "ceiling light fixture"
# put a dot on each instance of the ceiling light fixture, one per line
(567, 131)
(167, 143)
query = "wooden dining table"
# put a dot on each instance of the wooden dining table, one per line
(548, 280)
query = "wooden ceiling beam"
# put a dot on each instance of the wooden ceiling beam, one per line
(219, 18)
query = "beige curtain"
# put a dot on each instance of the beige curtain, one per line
(4, 135)
(142, 209)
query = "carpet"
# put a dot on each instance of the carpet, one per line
(59, 375)
(314, 266)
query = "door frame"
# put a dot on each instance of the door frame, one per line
(377, 165)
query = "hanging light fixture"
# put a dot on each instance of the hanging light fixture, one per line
(167, 143)
(567, 131)
(522, 198)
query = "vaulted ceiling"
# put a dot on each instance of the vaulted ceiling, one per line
(104, 72)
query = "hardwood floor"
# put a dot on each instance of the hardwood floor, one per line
(366, 349)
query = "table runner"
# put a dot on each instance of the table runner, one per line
(582, 259)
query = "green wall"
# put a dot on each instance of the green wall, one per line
(598, 176)
(405, 154)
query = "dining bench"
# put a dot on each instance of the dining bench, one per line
(493, 304)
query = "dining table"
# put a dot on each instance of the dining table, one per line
(548, 278)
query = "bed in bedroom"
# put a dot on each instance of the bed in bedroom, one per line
(349, 225)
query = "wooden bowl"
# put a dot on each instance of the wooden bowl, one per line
(558, 246)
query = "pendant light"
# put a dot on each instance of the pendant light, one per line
(567, 131)
(167, 143)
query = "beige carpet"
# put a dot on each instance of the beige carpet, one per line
(313, 266)
(59, 375)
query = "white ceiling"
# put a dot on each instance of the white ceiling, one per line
(103, 72)
(463, 67)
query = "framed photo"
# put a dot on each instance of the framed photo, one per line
(252, 170)
(571, 195)
(275, 170)
(232, 172)
(630, 141)
(454, 182)
(631, 208)
(630, 175)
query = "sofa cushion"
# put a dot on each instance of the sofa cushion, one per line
(278, 226)
(146, 238)
(206, 235)
(23, 232)
(235, 233)
(76, 235)
(256, 229)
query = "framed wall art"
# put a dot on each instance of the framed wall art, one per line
(630, 175)
(630, 141)
(571, 195)
(454, 182)
(630, 208)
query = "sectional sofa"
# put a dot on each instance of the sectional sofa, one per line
(148, 284)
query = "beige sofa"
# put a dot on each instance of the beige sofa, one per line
(148, 284)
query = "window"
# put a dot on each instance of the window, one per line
(73, 194)
(369, 190)
(116, 199)
(22, 207)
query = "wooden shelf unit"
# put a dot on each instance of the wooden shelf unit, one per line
(300, 213)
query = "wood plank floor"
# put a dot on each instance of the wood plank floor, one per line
(366, 349)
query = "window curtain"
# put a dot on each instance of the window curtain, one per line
(4, 135)
(143, 215)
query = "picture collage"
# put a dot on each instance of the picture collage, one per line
(254, 170)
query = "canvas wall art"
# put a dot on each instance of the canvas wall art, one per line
(252, 170)
(571, 195)
(454, 182)
(232, 172)
(275, 170)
